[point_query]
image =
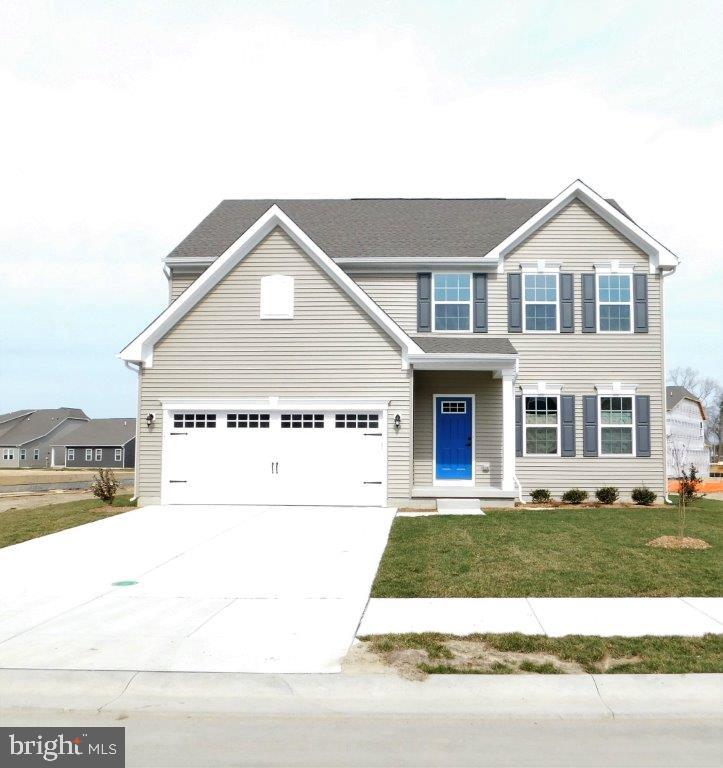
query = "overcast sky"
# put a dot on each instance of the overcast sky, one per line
(124, 123)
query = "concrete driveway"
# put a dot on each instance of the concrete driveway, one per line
(246, 589)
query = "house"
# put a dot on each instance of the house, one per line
(403, 351)
(685, 426)
(106, 443)
(26, 435)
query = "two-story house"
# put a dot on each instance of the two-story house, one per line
(401, 351)
(685, 422)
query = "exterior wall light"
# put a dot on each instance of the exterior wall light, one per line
(150, 419)
(397, 421)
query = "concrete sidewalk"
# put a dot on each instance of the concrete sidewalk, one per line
(552, 616)
(566, 697)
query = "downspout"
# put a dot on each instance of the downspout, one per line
(136, 463)
(519, 489)
(167, 273)
(666, 497)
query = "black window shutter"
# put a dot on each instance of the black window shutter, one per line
(642, 425)
(567, 303)
(588, 303)
(567, 425)
(479, 281)
(518, 425)
(589, 425)
(424, 301)
(514, 303)
(640, 299)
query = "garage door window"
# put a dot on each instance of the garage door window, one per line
(357, 421)
(302, 420)
(194, 420)
(247, 420)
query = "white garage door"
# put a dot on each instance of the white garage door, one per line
(314, 456)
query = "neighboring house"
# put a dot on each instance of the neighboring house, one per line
(685, 426)
(366, 352)
(99, 443)
(26, 436)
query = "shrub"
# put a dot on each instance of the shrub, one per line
(643, 495)
(105, 485)
(689, 484)
(540, 495)
(607, 495)
(574, 496)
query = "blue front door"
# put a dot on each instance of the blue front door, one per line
(453, 438)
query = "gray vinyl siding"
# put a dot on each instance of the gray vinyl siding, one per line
(487, 428)
(181, 281)
(43, 445)
(578, 238)
(13, 463)
(331, 348)
(107, 460)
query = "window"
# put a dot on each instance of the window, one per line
(616, 426)
(452, 299)
(540, 301)
(89, 454)
(36, 454)
(99, 454)
(248, 420)
(454, 406)
(357, 420)
(194, 420)
(23, 454)
(8, 454)
(614, 302)
(277, 297)
(541, 426)
(71, 454)
(302, 420)
(118, 454)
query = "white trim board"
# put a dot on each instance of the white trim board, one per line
(140, 350)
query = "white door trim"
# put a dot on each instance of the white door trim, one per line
(435, 481)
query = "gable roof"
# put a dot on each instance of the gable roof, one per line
(475, 344)
(674, 394)
(38, 424)
(101, 433)
(140, 350)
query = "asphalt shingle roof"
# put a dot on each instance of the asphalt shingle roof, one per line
(673, 395)
(39, 423)
(102, 433)
(477, 344)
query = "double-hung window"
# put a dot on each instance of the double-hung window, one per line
(98, 454)
(23, 454)
(615, 303)
(89, 454)
(71, 454)
(36, 454)
(452, 300)
(118, 454)
(8, 454)
(616, 426)
(540, 299)
(542, 425)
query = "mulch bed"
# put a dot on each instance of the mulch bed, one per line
(675, 542)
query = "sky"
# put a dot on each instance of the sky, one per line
(123, 124)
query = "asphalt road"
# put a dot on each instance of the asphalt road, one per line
(328, 739)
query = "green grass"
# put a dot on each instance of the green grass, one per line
(563, 552)
(609, 655)
(18, 525)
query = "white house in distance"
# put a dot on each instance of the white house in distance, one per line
(685, 426)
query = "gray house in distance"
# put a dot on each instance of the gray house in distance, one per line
(26, 436)
(106, 443)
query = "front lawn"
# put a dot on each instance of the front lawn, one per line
(18, 525)
(563, 552)
(416, 655)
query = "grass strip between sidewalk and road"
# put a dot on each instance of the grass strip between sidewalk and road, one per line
(555, 552)
(431, 653)
(17, 525)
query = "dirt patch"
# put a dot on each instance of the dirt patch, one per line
(460, 656)
(676, 542)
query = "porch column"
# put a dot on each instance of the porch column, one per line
(508, 430)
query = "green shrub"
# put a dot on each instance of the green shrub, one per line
(643, 495)
(689, 484)
(540, 495)
(607, 495)
(574, 496)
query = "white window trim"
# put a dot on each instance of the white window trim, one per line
(71, 455)
(98, 457)
(36, 454)
(446, 482)
(118, 454)
(624, 392)
(540, 393)
(541, 269)
(89, 451)
(23, 454)
(276, 297)
(614, 268)
(8, 454)
(435, 302)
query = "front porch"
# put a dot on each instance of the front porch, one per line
(464, 430)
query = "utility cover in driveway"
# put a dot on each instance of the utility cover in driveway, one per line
(237, 589)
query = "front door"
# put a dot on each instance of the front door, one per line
(453, 438)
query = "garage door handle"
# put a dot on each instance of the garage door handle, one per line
(372, 482)
(179, 433)
(372, 434)
(178, 481)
